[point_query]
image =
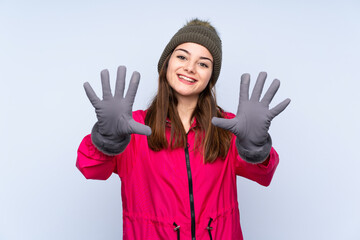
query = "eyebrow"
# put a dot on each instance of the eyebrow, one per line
(184, 50)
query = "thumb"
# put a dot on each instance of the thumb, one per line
(227, 124)
(139, 128)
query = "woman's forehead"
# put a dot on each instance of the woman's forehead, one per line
(194, 49)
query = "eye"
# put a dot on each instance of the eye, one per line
(181, 57)
(203, 65)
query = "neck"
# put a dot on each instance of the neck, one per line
(185, 108)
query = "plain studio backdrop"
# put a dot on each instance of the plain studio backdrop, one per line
(49, 49)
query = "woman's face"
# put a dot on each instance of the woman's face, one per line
(189, 69)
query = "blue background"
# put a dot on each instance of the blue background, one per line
(48, 49)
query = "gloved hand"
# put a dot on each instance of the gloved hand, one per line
(111, 133)
(253, 119)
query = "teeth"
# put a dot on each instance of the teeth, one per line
(186, 78)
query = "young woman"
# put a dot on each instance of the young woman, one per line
(179, 159)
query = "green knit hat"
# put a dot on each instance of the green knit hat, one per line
(200, 32)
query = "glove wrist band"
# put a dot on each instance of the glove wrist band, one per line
(256, 155)
(107, 145)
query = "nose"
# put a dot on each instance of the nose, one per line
(190, 67)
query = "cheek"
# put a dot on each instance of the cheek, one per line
(207, 76)
(205, 82)
(167, 75)
(170, 68)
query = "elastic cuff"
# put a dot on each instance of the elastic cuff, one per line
(257, 154)
(108, 145)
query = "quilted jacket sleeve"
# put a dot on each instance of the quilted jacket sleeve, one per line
(92, 163)
(261, 173)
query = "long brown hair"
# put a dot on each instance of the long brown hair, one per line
(213, 142)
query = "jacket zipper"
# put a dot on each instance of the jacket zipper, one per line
(191, 195)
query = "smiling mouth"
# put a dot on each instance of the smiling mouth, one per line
(190, 80)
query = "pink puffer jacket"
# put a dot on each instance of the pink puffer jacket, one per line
(172, 194)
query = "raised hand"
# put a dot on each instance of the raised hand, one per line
(253, 119)
(111, 133)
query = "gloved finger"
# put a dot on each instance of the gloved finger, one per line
(91, 94)
(105, 82)
(227, 124)
(133, 86)
(270, 93)
(139, 128)
(279, 108)
(120, 82)
(244, 90)
(244, 87)
(259, 85)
